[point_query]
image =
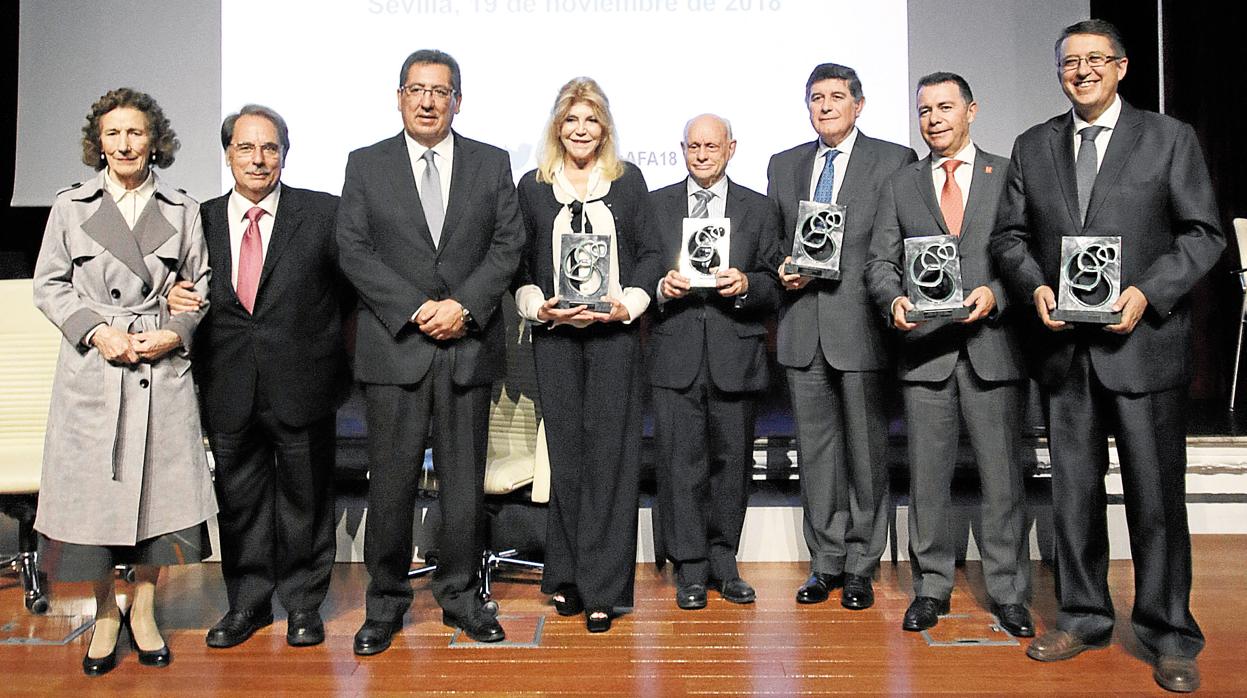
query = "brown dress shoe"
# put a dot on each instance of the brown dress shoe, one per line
(1055, 645)
(1177, 674)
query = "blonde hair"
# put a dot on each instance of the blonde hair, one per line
(579, 90)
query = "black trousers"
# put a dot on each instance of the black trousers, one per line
(398, 426)
(704, 439)
(590, 400)
(1151, 442)
(274, 487)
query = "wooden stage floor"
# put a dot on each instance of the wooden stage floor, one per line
(773, 647)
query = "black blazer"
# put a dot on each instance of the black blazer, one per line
(639, 260)
(680, 329)
(909, 207)
(1153, 190)
(388, 255)
(291, 349)
(836, 314)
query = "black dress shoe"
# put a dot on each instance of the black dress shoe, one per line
(1015, 619)
(304, 629)
(736, 591)
(857, 593)
(157, 658)
(479, 625)
(598, 620)
(690, 597)
(374, 636)
(567, 602)
(923, 612)
(237, 627)
(818, 587)
(1177, 674)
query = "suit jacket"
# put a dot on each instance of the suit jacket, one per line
(290, 350)
(636, 241)
(681, 329)
(909, 207)
(387, 252)
(1153, 190)
(839, 314)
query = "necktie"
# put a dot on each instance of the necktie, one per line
(950, 198)
(701, 209)
(1086, 165)
(431, 198)
(250, 260)
(826, 180)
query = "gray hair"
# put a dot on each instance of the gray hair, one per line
(283, 134)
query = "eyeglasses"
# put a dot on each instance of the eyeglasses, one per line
(268, 150)
(440, 93)
(1094, 60)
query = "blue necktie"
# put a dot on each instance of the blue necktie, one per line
(826, 180)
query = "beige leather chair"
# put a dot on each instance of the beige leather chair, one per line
(1240, 236)
(28, 349)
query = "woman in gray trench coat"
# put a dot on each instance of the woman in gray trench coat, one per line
(125, 478)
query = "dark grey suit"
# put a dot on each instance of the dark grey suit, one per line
(707, 361)
(1153, 190)
(836, 349)
(388, 254)
(951, 370)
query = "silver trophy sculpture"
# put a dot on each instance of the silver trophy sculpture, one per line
(817, 240)
(704, 250)
(584, 271)
(1090, 279)
(933, 279)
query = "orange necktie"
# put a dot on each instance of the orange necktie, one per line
(950, 198)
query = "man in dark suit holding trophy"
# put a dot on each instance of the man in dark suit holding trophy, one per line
(707, 353)
(950, 369)
(1108, 169)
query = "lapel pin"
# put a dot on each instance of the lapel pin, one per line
(987, 169)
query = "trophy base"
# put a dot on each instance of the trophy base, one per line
(814, 272)
(959, 312)
(1094, 317)
(597, 306)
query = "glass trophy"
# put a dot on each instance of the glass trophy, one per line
(704, 250)
(1090, 279)
(584, 271)
(933, 279)
(817, 240)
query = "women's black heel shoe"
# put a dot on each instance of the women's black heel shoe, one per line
(98, 666)
(157, 658)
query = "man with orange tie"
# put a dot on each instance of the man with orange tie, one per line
(969, 368)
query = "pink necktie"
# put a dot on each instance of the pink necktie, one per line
(250, 260)
(950, 198)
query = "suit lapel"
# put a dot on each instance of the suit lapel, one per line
(462, 174)
(926, 189)
(285, 226)
(978, 191)
(216, 228)
(734, 211)
(805, 167)
(1061, 141)
(855, 180)
(1121, 147)
(406, 195)
(108, 227)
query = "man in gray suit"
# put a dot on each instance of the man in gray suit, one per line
(970, 368)
(430, 262)
(833, 344)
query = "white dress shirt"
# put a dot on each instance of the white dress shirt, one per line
(443, 157)
(841, 162)
(963, 175)
(717, 206)
(237, 210)
(130, 201)
(1109, 121)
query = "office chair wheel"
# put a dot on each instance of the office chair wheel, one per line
(490, 607)
(38, 605)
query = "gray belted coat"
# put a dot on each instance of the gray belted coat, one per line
(123, 458)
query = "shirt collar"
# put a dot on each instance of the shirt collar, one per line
(117, 190)
(965, 155)
(845, 146)
(444, 147)
(239, 204)
(1108, 119)
(719, 188)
